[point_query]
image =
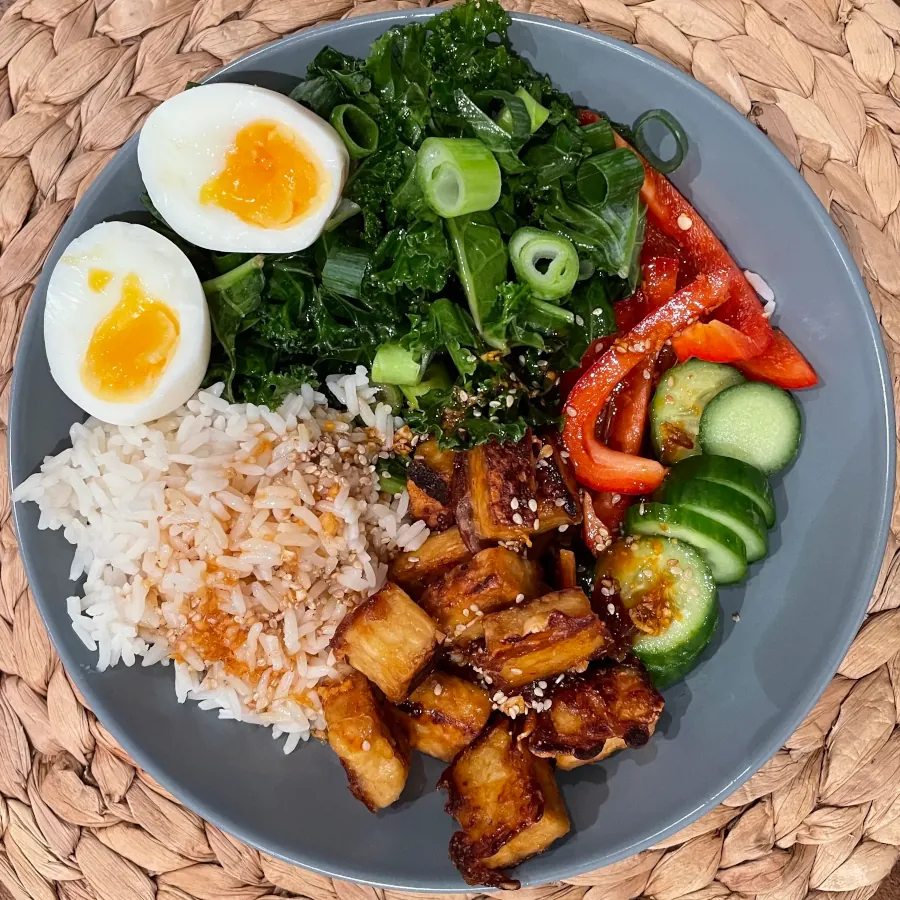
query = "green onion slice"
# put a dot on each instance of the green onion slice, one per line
(599, 136)
(344, 271)
(357, 129)
(537, 114)
(673, 126)
(346, 209)
(458, 176)
(546, 262)
(613, 177)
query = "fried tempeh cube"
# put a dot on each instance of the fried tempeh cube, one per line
(507, 804)
(437, 556)
(492, 579)
(444, 714)
(547, 636)
(389, 639)
(558, 494)
(375, 759)
(428, 483)
(501, 486)
(608, 708)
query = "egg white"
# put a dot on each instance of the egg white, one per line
(73, 310)
(183, 145)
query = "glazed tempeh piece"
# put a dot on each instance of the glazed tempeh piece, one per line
(375, 759)
(506, 802)
(389, 639)
(444, 714)
(493, 579)
(545, 637)
(414, 570)
(591, 716)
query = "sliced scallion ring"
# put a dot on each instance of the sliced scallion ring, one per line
(546, 262)
(599, 135)
(613, 177)
(458, 176)
(537, 113)
(358, 130)
(673, 126)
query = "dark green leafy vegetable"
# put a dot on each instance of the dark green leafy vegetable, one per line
(421, 273)
(481, 264)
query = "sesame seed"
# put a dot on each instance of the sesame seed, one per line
(684, 222)
(597, 312)
(641, 508)
(564, 454)
(559, 678)
(413, 559)
(564, 527)
(559, 501)
(646, 374)
(509, 400)
(466, 612)
(438, 690)
(520, 598)
(516, 671)
(476, 413)
(571, 411)
(366, 746)
(616, 498)
(579, 321)
(735, 617)
(463, 396)
(611, 608)
(537, 524)
(494, 404)
(542, 684)
(532, 505)
(514, 503)
(517, 519)
(538, 692)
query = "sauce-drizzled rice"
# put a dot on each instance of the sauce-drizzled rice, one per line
(231, 540)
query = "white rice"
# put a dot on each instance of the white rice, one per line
(765, 293)
(231, 540)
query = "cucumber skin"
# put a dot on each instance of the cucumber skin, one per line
(738, 506)
(698, 467)
(667, 668)
(711, 445)
(637, 523)
(661, 412)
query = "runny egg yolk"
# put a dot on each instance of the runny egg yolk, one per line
(130, 349)
(269, 178)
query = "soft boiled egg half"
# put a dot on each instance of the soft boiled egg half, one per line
(239, 168)
(126, 324)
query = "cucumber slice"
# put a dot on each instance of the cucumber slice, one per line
(733, 473)
(648, 565)
(727, 506)
(679, 402)
(755, 422)
(722, 549)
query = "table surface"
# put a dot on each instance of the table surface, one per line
(77, 77)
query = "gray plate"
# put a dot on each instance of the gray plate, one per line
(799, 610)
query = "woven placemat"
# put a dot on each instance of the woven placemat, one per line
(78, 819)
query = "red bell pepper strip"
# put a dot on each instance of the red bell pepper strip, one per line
(628, 407)
(596, 465)
(740, 331)
(782, 364)
(587, 117)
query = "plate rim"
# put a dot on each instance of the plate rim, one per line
(30, 329)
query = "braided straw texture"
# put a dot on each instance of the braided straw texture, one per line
(78, 820)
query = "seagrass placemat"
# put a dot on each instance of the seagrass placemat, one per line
(78, 820)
